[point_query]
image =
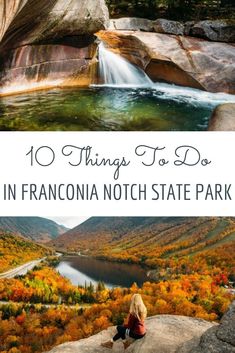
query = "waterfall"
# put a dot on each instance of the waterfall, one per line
(114, 70)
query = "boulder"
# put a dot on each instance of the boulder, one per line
(165, 334)
(209, 343)
(226, 330)
(188, 27)
(181, 60)
(218, 30)
(132, 24)
(162, 25)
(219, 339)
(223, 119)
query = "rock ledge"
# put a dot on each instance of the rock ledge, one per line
(166, 333)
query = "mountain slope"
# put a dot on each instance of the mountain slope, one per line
(111, 229)
(155, 242)
(35, 228)
(16, 250)
(172, 236)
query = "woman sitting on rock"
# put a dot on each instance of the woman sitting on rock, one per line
(135, 328)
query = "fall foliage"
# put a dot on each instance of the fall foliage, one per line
(16, 250)
(36, 328)
(190, 264)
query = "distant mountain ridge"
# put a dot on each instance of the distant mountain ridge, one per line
(116, 227)
(143, 239)
(35, 228)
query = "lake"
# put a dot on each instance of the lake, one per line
(81, 270)
(162, 107)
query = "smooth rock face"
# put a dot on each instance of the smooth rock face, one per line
(219, 339)
(47, 43)
(43, 20)
(43, 66)
(8, 11)
(219, 31)
(131, 24)
(181, 60)
(169, 27)
(165, 334)
(223, 119)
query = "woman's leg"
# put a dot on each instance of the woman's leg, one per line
(135, 336)
(121, 333)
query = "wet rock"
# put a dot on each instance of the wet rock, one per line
(223, 119)
(48, 43)
(168, 27)
(181, 60)
(132, 24)
(44, 66)
(219, 30)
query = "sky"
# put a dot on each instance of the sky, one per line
(69, 222)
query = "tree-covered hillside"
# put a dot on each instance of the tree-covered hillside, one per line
(172, 9)
(16, 250)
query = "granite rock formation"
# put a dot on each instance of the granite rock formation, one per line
(213, 30)
(181, 60)
(165, 334)
(223, 118)
(132, 24)
(48, 43)
(219, 339)
(168, 27)
(218, 30)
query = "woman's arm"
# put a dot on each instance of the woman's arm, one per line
(131, 322)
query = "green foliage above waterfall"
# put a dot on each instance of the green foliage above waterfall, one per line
(172, 9)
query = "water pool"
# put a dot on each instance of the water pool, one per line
(161, 107)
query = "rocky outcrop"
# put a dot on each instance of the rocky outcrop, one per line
(213, 30)
(223, 118)
(219, 339)
(48, 43)
(219, 31)
(132, 24)
(168, 27)
(165, 334)
(181, 60)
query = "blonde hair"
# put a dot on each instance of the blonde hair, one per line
(137, 307)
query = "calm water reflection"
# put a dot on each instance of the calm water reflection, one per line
(81, 270)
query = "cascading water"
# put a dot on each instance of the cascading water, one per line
(114, 70)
